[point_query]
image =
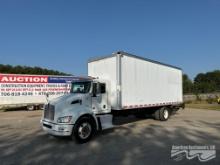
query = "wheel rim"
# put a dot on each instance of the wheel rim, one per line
(165, 114)
(84, 130)
(30, 108)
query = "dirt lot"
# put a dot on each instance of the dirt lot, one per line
(133, 141)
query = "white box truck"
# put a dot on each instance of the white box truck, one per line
(20, 90)
(118, 84)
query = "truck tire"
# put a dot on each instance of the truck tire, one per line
(83, 130)
(30, 107)
(157, 114)
(36, 107)
(164, 113)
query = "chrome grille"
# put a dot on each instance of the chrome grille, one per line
(49, 112)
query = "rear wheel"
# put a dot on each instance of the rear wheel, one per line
(157, 114)
(83, 130)
(162, 114)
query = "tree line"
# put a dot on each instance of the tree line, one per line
(28, 70)
(202, 83)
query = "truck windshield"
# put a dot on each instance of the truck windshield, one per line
(80, 87)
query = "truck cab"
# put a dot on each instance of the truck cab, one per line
(80, 113)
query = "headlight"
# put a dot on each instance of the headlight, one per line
(65, 119)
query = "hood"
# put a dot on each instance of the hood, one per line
(63, 107)
(68, 98)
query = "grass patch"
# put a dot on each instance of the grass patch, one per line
(204, 106)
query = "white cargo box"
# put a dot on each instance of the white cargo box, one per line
(138, 82)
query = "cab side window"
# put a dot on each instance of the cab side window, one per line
(94, 89)
(102, 88)
(99, 88)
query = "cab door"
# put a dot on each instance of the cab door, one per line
(99, 98)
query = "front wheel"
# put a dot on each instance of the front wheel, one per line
(83, 130)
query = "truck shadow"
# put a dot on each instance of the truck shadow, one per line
(120, 120)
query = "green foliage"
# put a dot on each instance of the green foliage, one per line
(203, 83)
(207, 82)
(28, 70)
(187, 84)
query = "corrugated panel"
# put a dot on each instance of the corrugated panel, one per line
(144, 82)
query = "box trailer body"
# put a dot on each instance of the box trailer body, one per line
(119, 84)
(138, 82)
(27, 90)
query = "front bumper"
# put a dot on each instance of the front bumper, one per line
(57, 129)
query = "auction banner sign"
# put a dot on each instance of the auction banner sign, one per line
(35, 86)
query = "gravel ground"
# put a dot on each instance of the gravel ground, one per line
(132, 141)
